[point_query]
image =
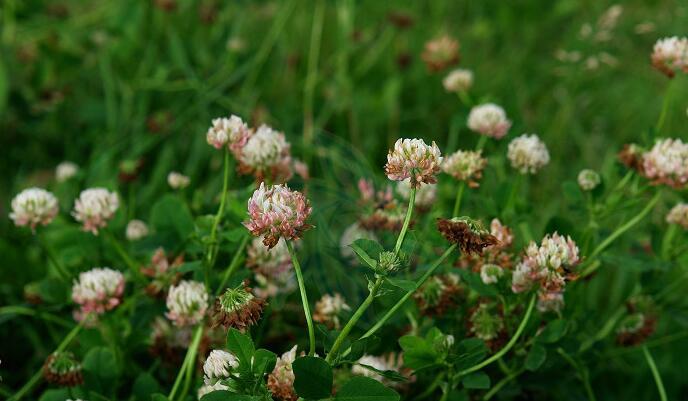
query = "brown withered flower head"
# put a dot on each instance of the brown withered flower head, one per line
(499, 254)
(441, 53)
(237, 308)
(632, 156)
(639, 323)
(468, 234)
(381, 210)
(438, 295)
(62, 369)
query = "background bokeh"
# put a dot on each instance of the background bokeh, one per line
(114, 84)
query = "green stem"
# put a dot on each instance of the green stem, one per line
(619, 231)
(604, 331)
(22, 310)
(188, 359)
(211, 252)
(457, 202)
(508, 346)
(662, 114)
(125, 256)
(409, 293)
(481, 142)
(234, 264)
(497, 387)
(304, 298)
(655, 373)
(38, 375)
(407, 220)
(61, 270)
(354, 319)
(312, 74)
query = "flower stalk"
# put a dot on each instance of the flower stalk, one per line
(304, 298)
(655, 373)
(211, 253)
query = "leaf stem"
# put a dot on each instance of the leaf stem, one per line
(655, 373)
(304, 298)
(457, 202)
(188, 359)
(407, 221)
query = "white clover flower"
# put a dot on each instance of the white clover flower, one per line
(489, 119)
(328, 308)
(136, 229)
(351, 234)
(459, 80)
(94, 207)
(177, 180)
(588, 179)
(219, 365)
(670, 55)
(206, 389)
(264, 149)
(281, 379)
(34, 206)
(550, 301)
(232, 131)
(490, 273)
(187, 303)
(678, 215)
(413, 159)
(528, 154)
(65, 171)
(465, 165)
(667, 163)
(425, 195)
(98, 290)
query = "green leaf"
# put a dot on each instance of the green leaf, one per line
(367, 251)
(189, 266)
(145, 385)
(101, 361)
(477, 380)
(224, 395)
(54, 395)
(242, 347)
(365, 389)
(469, 352)
(554, 331)
(389, 374)
(263, 362)
(418, 353)
(170, 214)
(313, 377)
(361, 346)
(159, 397)
(406, 285)
(536, 357)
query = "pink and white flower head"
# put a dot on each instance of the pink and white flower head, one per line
(218, 366)
(34, 206)
(490, 273)
(136, 229)
(230, 131)
(678, 215)
(502, 233)
(266, 153)
(550, 264)
(413, 159)
(328, 310)
(98, 290)
(281, 379)
(65, 171)
(425, 195)
(528, 154)
(465, 165)
(670, 55)
(550, 301)
(588, 179)
(667, 163)
(459, 80)
(489, 119)
(177, 180)
(277, 212)
(187, 303)
(94, 207)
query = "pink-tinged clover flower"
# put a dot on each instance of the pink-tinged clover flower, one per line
(670, 55)
(489, 119)
(187, 303)
(98, 290)
(34, 206)
(667, 163)
(678, 215)
(277, 211)
(94, 207)
(415, 160)
(230, 131)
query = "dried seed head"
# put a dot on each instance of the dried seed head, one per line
(237, 308)
(62, 369)
(468, 234)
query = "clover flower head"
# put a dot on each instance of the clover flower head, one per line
(266, 152)
(34, 206)
(485, 323)
(218, 365)
(94, 207)
(588, 179)
(490, 273)
(489, 119)
(425, 195)
(230, 131)
(238, 308)
(440, 53)
(177, 180)
(502, 233)
(281, 379)
(670, 55)
(328, 309)
(550, 301)
(98, 290)
(459, 80)
(277, 211)
(351, 234)
(187, 303)
(62, 369)
(667, 163)
(65, 170)
(465, 165)
(678, 215)
(413, 159)
(136, 229)
(528, 154)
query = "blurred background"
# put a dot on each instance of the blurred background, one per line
(126, 90)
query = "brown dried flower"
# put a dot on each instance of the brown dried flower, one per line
(467, 233)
